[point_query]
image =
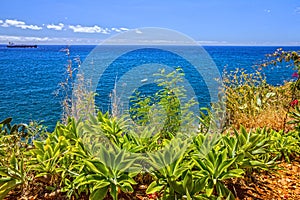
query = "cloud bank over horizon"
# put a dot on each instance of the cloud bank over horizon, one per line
(19, 24)
(6, 23)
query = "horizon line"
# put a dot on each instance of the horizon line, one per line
(216, 44)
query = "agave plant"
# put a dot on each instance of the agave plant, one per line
(12, 175)
(249, 148)
(111, 171)
(47, 158)
(167, 167)
(214, 169)
(285, 145)
(56, 159)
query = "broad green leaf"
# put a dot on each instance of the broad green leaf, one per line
(210, 188)
(188, 180)
(126, 187)
(154, 187)
(92, 167)
(99, 194)
(177, 186)
(225, 165)
(234, 173)
(13, 161)
(7, 187)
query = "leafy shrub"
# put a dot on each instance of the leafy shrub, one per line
(14, 145)
(285, 145)
(253, 103)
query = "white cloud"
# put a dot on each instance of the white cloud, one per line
(58, 27)
(9, 38)
(105, 31)
(61, 26)
(124, 29)
(116, 29)
(89, 29)
(47, 40)
(11, 22)
(297, 9)
(119, 30)
(19, 24)
(212, 42)
(32, 27)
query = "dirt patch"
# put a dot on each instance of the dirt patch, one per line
(283, 183)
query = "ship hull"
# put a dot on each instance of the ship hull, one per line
(21, 46)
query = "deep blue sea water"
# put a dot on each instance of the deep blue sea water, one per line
(29, 78)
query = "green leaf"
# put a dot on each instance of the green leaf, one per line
(127, 188)
(177, 186)
(38, 144)
(99, 193)
(94, 179)
(210, 188)
(3, 171)
(225, 165)
(126, 179)
(188, 196)
(92, 167)
(13, 161)
(105, 156)
(7, 187)
(188, 180)
(119, 158)
(234, 173)
(154, 187)
(126, 164)
(223, 191)
(199, 185)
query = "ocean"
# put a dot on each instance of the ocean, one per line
(30, 78)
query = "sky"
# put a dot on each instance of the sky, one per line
(210, 22)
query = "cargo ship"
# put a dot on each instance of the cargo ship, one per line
(12, 45)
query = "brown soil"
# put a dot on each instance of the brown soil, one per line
(283, 183)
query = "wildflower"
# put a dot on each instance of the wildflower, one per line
(295, 75)
(294, 103)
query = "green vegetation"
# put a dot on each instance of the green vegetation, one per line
(103, 157)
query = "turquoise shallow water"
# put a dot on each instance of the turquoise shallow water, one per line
(29, 78)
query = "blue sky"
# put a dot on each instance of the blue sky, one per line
(224, 22)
